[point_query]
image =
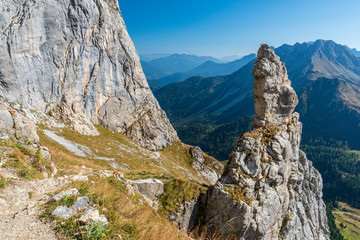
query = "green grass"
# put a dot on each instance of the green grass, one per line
(356, 152)
(144, 174)
(2, 182)
(347, 220)
(176, 191)
(68, 201)
(96, 230)
(25, 150)
(118, 184)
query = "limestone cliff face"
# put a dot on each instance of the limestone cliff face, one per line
(75, 60)
(269, 189)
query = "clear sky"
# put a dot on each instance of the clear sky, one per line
(237, 27)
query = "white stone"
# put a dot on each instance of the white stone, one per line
(61, 195)
(81, 204)
(92, 215)
(63, 212)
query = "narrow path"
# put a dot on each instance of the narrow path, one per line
(19, 209)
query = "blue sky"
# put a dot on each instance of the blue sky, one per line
(237, 27)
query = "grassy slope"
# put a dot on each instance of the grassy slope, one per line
(173, 160)
(127, 212)
(349, 217)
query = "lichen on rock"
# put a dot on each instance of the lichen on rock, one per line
(269, 189)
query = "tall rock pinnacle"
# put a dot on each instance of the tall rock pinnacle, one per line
(74, 60)
(275, 99)
(269, 189)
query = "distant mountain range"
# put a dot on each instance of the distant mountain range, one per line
(152, 56)
(198, 96)
(164, 66)
(231, 58)
(207, 69)
(326, 76)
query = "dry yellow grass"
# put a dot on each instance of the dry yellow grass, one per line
(28, 165)
(173, 160)
(129, 216)
(66, 161)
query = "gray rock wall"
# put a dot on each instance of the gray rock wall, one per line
(75, 60)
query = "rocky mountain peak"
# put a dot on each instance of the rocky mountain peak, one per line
(269, 189)
(74, 60)
(275, 99)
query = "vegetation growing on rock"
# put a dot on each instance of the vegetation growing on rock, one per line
(177, 191)
(238, 193)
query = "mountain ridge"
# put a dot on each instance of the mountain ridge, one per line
(173, 63)
(310, 57)
(207, 69)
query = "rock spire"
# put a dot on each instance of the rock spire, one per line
(275, 99)
(269, 189)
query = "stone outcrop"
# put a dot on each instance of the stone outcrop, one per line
(150, 189)
(269, 189)
(15, 124)
(210, 170)
(63, 194)
(74, 60)
(186, 215)
(93, 215)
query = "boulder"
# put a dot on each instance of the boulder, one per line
(186, 216)
(92, 215)
(81, 204)
(63, 212)
(150, 189)
(45, 154)
(15, 124)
